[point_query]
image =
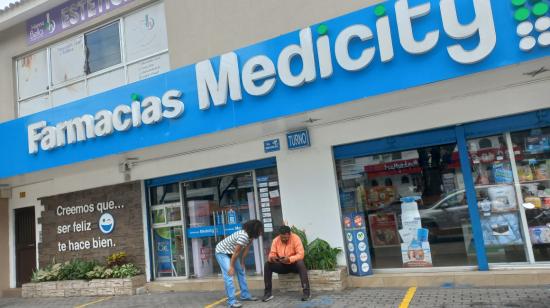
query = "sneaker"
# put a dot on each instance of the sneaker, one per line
(236, 305)
(267, 297)
(250, 299)
(306, 297)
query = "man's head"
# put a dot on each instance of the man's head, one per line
(284, 233)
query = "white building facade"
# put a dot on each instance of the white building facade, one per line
(414, 135)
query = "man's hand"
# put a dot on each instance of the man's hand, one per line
(272, 259)
(231, 271)
(243, 265)
(284, 260)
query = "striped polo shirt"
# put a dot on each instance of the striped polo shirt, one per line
(227, 246)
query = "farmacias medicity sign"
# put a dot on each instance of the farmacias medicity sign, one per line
(388, 47)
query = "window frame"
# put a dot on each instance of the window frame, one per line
(124, 64)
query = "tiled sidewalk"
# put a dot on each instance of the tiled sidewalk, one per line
(424, 297)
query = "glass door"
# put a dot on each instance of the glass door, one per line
(215, 208)
(168, 232)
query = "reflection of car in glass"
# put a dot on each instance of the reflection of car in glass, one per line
(445, 218)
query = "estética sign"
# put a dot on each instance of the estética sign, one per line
(68, 15)
(394, 46)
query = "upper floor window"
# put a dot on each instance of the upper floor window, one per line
(125, 50)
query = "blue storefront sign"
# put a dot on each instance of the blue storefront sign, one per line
(298, 139)
(209, 231)
(273, 145)
(393, 46)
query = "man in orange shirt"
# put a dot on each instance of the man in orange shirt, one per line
(286, 256)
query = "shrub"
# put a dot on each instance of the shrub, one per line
(318, 254)
(115, 267)
(116, 259)
(125, 271)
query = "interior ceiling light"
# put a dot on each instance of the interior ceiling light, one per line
(534, 73)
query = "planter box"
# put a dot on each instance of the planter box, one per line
(318, 281)
(76, 288)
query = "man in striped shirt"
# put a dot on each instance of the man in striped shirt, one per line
(228, 253)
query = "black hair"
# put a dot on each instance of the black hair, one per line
(284, 229)
(253, 228)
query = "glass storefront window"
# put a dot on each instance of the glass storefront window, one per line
(373, 186)
(169, 251)
(497, 200)
(159, 216)
(165, 194)
(211, 209)
(216, 208)
(532, 154)
(269, 198)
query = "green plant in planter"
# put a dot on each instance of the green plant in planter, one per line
(319, 255)
(49, 273)
(128, 270)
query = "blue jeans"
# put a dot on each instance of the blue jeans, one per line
(224, 261)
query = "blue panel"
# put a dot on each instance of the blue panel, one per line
(298, 139)
(273, 145)
(396, 143)
(217, 171)
(519, 122)
(404, 71)
(482, 262)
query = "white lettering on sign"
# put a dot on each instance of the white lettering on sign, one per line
(150, 111)
(215, 89)
(82, 10)
(259, 73)
(84, 225)
(94, 243)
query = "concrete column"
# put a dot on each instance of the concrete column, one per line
(4, 246)
(309, 193)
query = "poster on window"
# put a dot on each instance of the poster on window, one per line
(145, 32)
(383, 230)
(68, 60)
(32, 75)
(163, 243)
(148, 68)
(416, 254)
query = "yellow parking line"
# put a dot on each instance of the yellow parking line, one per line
(94, 302)
(216, 303)
(408, 298)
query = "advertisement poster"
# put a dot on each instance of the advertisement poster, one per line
(164, 250)
(415, 249)
(383, 230)
(501, 229)
(357, 245)
(416, 254)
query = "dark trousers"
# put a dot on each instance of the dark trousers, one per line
(299, 267)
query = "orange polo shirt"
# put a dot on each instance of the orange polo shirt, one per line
(293, 249)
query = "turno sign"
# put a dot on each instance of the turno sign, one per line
(402, 43)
